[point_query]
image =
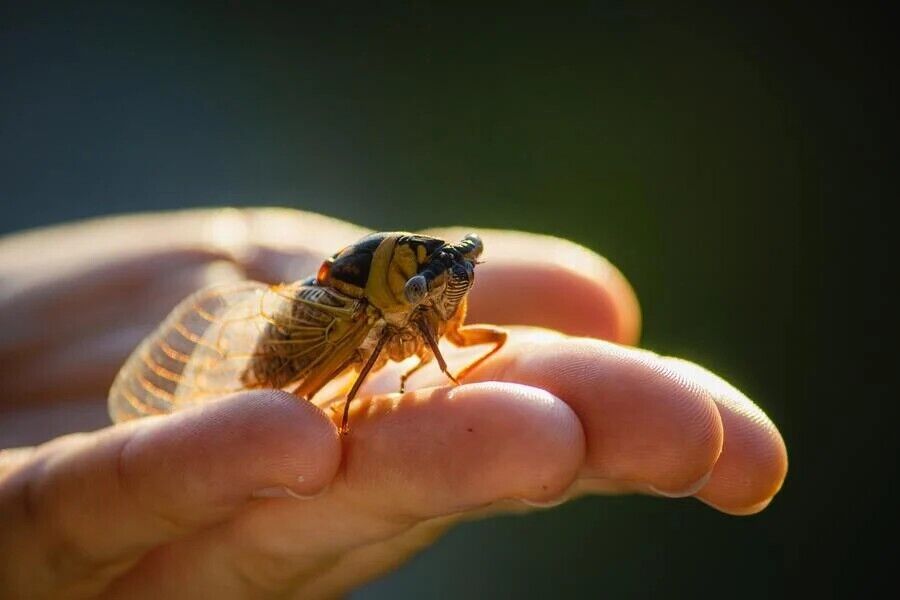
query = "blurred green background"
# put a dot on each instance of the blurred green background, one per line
(731, 162)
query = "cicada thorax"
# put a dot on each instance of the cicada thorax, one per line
(378, 267)
(301, 334)
(375, 271)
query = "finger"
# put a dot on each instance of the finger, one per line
(754, 460)
(652, 421)
(530, 279)
(443, 450)
(96, 291)
(11, 458)
(258, 238)
(287, 245)
(100, 264)
(408, 458)
(88, 328)
(51, 254)
(97, 501)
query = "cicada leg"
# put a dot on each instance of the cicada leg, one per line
(425, 357)
(425, 328)
(345, 419)
(345, 389)
(472, 335)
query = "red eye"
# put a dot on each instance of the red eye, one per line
(324, 272)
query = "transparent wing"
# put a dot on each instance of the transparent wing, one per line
(228, 338)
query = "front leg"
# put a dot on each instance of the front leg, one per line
(429, 336)
(463, 336)
(472, 335)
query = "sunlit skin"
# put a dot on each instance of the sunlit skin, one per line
(258, 495)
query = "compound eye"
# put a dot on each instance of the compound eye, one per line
(324, 272)
(474, 246)
(415, 289)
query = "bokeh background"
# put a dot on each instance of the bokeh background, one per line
(732, 162)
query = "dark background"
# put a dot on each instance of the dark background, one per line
(734, 163)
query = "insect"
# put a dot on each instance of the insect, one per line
(389, 296)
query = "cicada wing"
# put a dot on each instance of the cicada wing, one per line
(199, 351)
(229, 338)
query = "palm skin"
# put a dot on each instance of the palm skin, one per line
(258, 495)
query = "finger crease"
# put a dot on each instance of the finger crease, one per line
(66, 557)
(173, 525)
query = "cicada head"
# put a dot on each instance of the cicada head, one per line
(398, 272)
(446, 276)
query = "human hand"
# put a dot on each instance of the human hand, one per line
(257, 494)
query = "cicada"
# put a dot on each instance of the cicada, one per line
(389, 296)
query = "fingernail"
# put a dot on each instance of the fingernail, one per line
(276, 492)
(740, 512)
(285, 492)
(542, 503)
(688, 491)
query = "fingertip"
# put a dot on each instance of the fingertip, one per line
(304, 445)
(693, 412)
(645, 422)
(754, 461)
(556, 297)
(745, 510)
(746, 484)
(683, 418)
(548, 445)
(628, 307)
(218, 455)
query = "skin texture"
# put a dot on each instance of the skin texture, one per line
(257, 495)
